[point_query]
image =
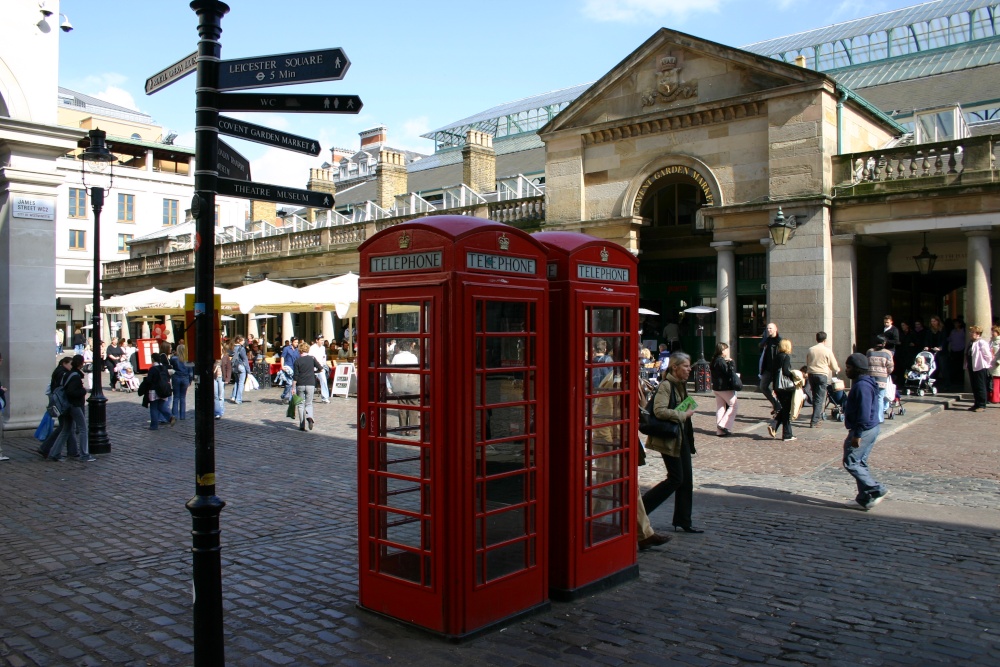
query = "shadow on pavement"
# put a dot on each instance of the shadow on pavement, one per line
(774, 494)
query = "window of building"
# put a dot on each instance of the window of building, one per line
(169, 211)
(126, 208)
(123, 241)
(77, 203)
(77, 239)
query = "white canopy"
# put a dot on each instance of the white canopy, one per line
(339, 294)
(174, 303)
(129, 302)
(266, 296)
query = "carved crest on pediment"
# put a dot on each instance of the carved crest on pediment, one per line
(669, 84)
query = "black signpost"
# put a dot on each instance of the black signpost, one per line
(213, 157)
(283, 69)
(275, 193)
(265, 135)
(288, 103)
(231, 164)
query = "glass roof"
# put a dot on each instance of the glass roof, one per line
(901, 32)
(524, 115)
(914, 67)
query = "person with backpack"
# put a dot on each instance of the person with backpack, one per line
(158, 390)
(3, 404)
(71, 386)
(62, 368)
(180, 381)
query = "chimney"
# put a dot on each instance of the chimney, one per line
(390, 178)
(338, 154)
(373, 137)
(800, 61)
(479, 162)
(320, 180)
(263, 210)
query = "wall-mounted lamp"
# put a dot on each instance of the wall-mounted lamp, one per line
(781, 228)
(251, 279)
(925, 260)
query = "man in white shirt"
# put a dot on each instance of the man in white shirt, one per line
(405, 387)
(318, 352)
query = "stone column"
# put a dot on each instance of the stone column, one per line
(845, 296)
(995, 273)
(27, 261)
(979, 310)
(726, 293)
(329, 332)
(287, 331)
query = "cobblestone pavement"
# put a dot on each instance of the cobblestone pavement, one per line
(95, 569)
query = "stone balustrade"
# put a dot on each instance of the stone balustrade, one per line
(338, 238)
(966, 161)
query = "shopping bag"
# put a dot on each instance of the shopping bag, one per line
(251, 384)
(45, 426)
(293, 402)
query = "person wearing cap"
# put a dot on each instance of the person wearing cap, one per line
(861, 417)
(318, 352)
(880, 367)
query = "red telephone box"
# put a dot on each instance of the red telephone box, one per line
(593, 428)
(452, 424)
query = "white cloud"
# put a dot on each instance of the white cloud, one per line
(280, 167)
(626, 11)
(409, 136)
(108, 87)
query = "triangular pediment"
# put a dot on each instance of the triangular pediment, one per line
(673, 70)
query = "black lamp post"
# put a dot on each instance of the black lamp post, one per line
(701, 368)
(925, 260)
(99, 160)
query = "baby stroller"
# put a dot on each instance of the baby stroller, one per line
(920, 378)
(125, 377)
(892, 395)
(836, 398)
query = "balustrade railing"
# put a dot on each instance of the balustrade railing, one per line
(948, 159)
(327, 238)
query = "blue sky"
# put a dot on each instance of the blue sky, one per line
(416, 65)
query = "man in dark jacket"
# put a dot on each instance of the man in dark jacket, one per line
(769, 351)
(62, 368)
(861, 417)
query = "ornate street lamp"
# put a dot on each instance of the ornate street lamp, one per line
(781, 229)
(98, 161)
(925, 260)
(701, 368)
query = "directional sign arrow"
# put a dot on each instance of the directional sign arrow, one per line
(267, 136)
(283, 69)
(276, 193)
(175, 72)
(231, 164)
(288, 103)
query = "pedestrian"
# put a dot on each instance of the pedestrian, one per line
(3, 406)
(995, 366)
(880, 367)
(112, 355)
(78, 341)
(891, 333)
(724, 381)
(219, 386)
(318, 352)
(72, 383)
(936, 342)
(180, 380)
(765, 367)
(62, 421)
(821, 367)
(784, 387)
(862, 422)
(241, 367)
(304, 384)
(676, 452)
(60, 337)
(289, 354)
(978, 360)
(158, 391)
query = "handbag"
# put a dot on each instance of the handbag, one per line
(44, 427)
(293, 403)
(735, 378)
(650, 425)
(785, 383)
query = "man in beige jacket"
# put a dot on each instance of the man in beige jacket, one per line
(821, 366)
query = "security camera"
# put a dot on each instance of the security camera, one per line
(65, 24)
(46, 12)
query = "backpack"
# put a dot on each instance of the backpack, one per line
(162, 386)
(58, 403)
